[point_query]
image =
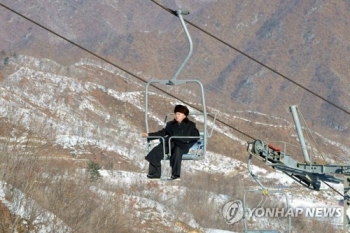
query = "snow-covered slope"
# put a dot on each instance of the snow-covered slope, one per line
(88, 120)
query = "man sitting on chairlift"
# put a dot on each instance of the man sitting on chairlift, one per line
(180, 126)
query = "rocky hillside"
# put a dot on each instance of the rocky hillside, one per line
(278, 54)
(69, 100)
(61, 119)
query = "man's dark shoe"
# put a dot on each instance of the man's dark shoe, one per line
(153, 177)
(175, 177)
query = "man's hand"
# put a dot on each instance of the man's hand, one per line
(144, 134)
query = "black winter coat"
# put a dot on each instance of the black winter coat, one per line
(185, 128)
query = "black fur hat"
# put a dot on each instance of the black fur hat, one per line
(181, 108)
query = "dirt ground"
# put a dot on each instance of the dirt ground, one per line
(5, 219)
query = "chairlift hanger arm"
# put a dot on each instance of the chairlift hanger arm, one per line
(179, 13)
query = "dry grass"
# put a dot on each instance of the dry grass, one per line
(47, 174)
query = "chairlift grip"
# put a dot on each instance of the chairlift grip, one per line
(183, 12)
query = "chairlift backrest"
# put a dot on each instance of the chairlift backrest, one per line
(210, 129)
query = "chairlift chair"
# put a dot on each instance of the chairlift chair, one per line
(198, 150)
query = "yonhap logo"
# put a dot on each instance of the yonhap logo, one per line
(233, 212)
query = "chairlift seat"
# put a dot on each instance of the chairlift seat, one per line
(196, 152)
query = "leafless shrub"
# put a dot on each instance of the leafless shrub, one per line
(301, 224)
(39, 181)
